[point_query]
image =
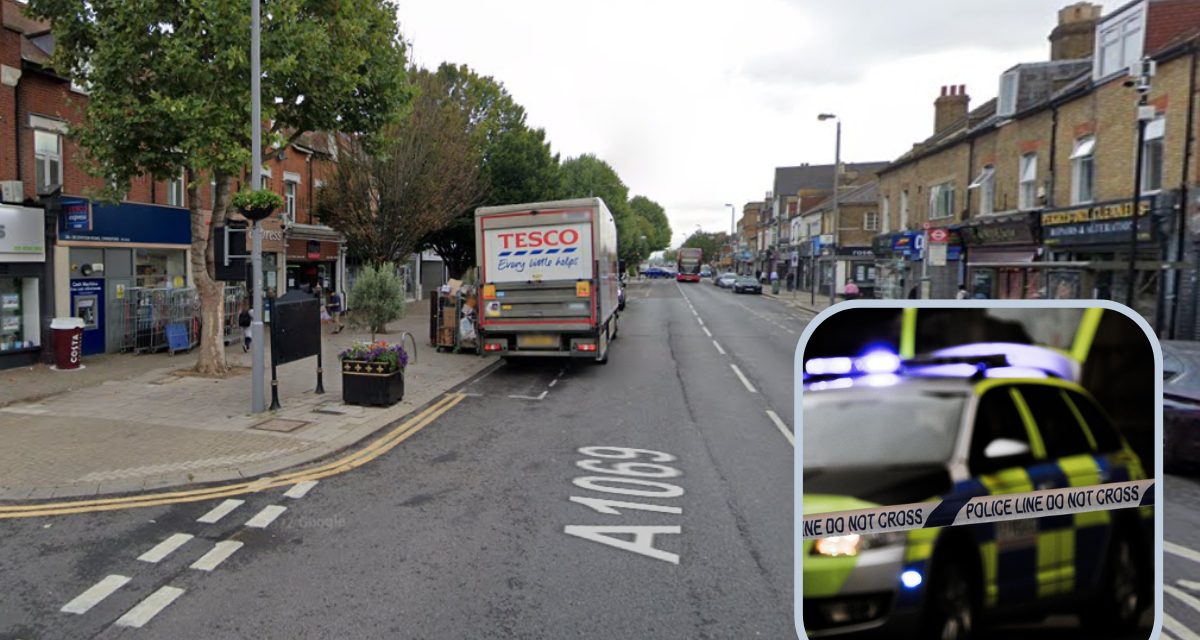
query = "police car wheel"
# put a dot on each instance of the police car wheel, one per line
(950, 613)
(1120, 606)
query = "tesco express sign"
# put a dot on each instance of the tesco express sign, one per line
(538, 239)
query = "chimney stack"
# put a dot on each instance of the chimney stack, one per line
(1075, 36)
(951, 107)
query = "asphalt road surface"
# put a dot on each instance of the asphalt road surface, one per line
(503, 518)
(1181, 558)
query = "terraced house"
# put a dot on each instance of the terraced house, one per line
(1036, 190)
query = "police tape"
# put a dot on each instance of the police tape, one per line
(961, 511)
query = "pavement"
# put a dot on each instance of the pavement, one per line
(800, 300)
(130, 423)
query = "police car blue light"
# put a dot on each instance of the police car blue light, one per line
(911, 579)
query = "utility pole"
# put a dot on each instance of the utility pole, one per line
(1145, 112)
(837, 183)
(258, 361)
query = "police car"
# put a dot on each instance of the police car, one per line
(970, 421)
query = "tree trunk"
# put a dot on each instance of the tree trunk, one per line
(210, 359)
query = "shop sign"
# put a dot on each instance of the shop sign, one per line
(1008, 232)
(303, 250)
(1105, 223)
(856, 252)
(128, 223)
(22, 234)
(77, 214)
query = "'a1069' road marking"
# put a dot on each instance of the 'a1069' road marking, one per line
(640, 476)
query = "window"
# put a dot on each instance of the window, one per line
(175, 191)
(290, 199)
(903, 210)
(1027, 189)
(1083, 171)
(941, 201)
(1119, 43)
(986, 183)
(1107, 439)
(48, 158)
(871, 221)
(1055, 421)
(997, 418)
(1009, 85)
(157, 268)
(1153, 158)
(887, 214)
(20, 307)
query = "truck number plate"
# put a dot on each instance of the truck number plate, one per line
(539, 341)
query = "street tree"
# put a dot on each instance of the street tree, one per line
(169, 94)
(516, 162)
(655, 216)
(587, 176)
(709, 244)
(416, 177)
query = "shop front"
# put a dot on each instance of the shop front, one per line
(1002, 252)
(106, 253)
(860, 269)
(24, 285)
(1095, 240)
(311, 262)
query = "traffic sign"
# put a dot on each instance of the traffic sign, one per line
(938, 235)
(926, 225)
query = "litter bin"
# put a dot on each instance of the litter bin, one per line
(775, 287)
(68, 343)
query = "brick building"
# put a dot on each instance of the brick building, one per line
(1036, 188)
(747, 235)
(96, 255)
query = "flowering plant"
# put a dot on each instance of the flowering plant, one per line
(392, 355)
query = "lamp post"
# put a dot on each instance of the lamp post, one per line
(257, 358)
(732, 234)
(837, 182)
(1145, 70)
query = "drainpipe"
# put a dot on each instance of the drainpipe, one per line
(1184, 191)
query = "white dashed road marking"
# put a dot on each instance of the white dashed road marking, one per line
(782, 427)
(219, 554)
(1181, 551)
(222, 510)
(742, 377)
(300, 490)
(93, 596)
(541, 397)
(1177, 628)
(718, 346)
(266, 517)
(165, 548)
(707, 332)
(1185, 598)
(150, 607)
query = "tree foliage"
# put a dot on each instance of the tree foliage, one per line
(710, 244)
(517, 164)
(414, 181)
(169, 92)
(377, 298)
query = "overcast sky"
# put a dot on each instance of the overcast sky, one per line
(695, 102)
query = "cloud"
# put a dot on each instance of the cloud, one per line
(848, 37)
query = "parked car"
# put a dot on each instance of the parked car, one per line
(747, 284)
(725, 280)
(1181, 406)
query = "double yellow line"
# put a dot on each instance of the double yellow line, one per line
(352, 461)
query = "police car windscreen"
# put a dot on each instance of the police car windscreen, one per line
(867, 428)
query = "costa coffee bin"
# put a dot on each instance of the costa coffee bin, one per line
(68, 342)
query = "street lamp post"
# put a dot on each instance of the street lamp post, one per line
(257, 358)
(1145, 113)
(837, 175)
(732, 234)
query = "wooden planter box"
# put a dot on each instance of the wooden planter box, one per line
(370, 384)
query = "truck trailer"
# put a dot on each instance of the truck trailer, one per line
(548, 279)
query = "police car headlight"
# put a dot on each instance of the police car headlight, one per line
(852, 544)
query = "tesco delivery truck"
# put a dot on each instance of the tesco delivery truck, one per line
(548, 279)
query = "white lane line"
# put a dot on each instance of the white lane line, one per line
(266, 517)
(540, 397)
(300, 490)
(700, 320)
(718, 346)
(740, 375)
(93, 596)
(222, 510)
(1181, 551)
(1187, 599)
(220, 553)
(1188, 584)
(165, 548)
(150, 607)
(471, 395)
(1176, 628)
(707, 332)
(553, 382)
(791, 332)
(782, 427)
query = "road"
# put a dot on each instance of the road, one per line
(1181, 558)
(500, 519)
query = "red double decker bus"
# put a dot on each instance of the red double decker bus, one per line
(688, 265)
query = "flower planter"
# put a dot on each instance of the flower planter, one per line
(371, 384)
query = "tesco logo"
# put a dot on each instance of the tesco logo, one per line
(536, 239)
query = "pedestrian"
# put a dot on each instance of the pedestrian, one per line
(245, 318)
(774, 276)
(851, 291)
(758, 275)
(335, 311)
(791, 281)
(962, 292)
